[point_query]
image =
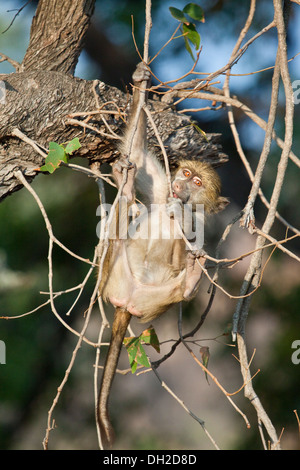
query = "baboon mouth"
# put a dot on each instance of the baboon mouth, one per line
(184, 200)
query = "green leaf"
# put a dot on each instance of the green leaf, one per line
(141, 357)
(204, 351)
(192, 35)
(131, 346)
(136, 353)
(188, 47)
(72, 146)
(133, 366)
(194, 11)
(149, 336)
(178, 15)
(55, 156)
(198, 129)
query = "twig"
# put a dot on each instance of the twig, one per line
(14, 63)
(278, 244)
(16, 132)
(247, 218)
(298, 421)
(89, 171)
(208, 371)
(148, 26)
(163, 47)
(231, 115)
(52, 239)
(157, 363)
(254, 269)
(199, 421)
(252, 274)
(18, 12)
(19, 175)
(166, 161)
(249, 391)
(76, 122)
(219, 97)
(68, 370)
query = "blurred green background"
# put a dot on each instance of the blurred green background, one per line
(38, 347)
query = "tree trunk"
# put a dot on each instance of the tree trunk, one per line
(57, 32)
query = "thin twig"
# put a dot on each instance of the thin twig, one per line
(52, 240)
(199, 421)
(15, 16)
(18, 67)
(219, 97)
(69, 368)
(29, 141)
(208, 371)
(166, 161)
(76, 122)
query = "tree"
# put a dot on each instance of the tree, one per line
(44, 102)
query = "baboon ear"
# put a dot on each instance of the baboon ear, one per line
(222, 203)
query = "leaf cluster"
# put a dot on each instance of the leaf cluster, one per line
(59, 153)
(188, 29)
(136, 351)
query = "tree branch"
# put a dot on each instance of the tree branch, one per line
(58, 47)
(38, 105)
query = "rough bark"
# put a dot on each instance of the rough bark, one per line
(39, 98)
(57, 32)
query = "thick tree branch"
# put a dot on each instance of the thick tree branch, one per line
(39, 99)
(56, 36)
(38, 104)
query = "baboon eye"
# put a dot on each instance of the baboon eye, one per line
(197, 182)
(186, 173)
